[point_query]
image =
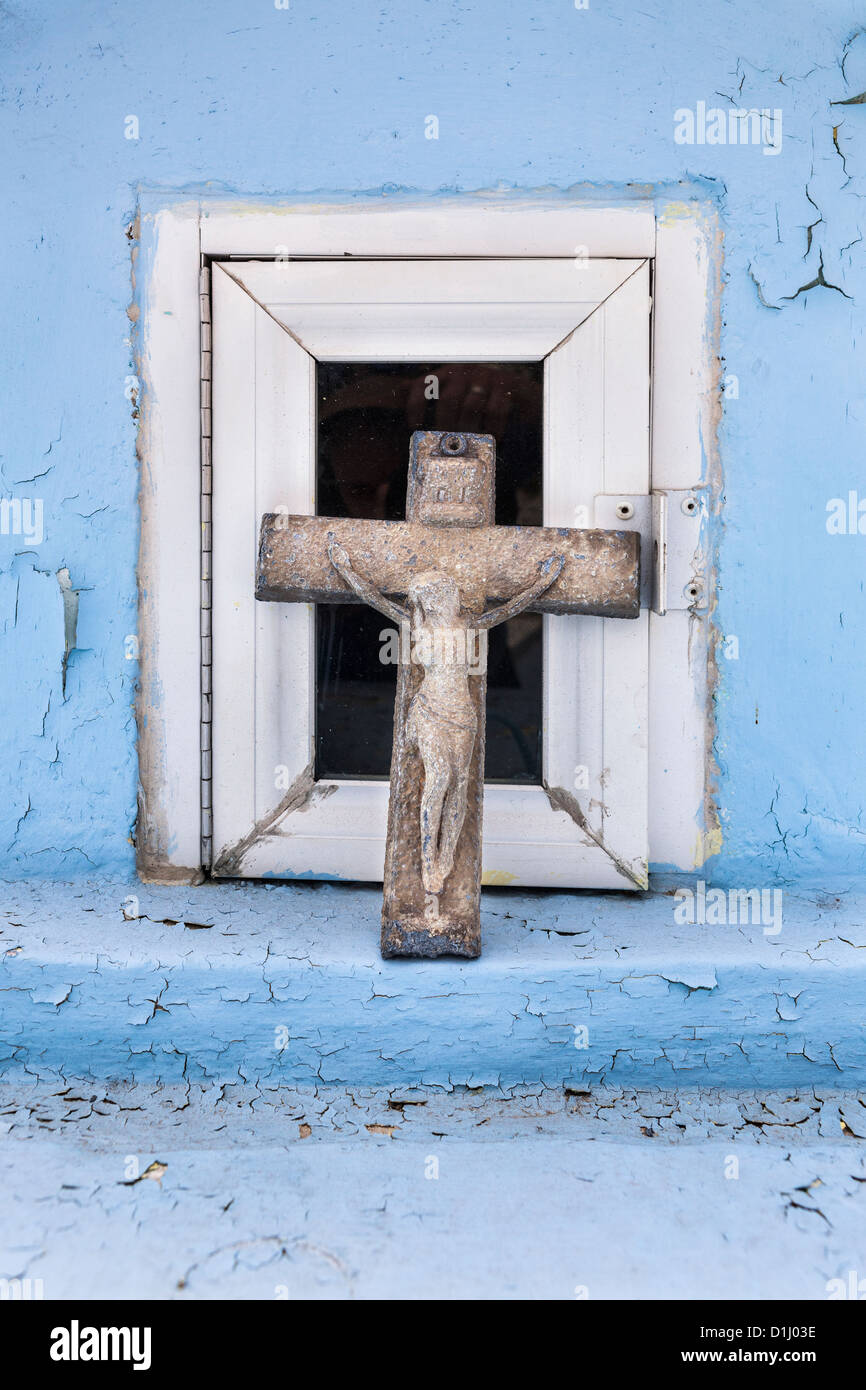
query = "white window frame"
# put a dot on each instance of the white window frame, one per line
(679, 241)
(272, 321)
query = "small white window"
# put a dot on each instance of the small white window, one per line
(597, 760)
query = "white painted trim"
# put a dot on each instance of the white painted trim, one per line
(509, 224)
(597, 438)
(596, 669)
(433, 310)
(263, 661)
(526, 841)
(169, 709)
(685, 397)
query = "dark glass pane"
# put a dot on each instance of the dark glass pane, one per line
(366, 415)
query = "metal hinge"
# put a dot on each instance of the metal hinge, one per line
(671, 528)
(206, 558)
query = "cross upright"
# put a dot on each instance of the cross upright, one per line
(448, 562)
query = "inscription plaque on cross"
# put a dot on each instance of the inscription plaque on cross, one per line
(445, 576)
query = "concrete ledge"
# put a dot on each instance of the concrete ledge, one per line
(271, 982)
(195, 1192)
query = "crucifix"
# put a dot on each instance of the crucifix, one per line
(445, 576)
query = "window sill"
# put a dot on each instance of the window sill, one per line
(200, 983)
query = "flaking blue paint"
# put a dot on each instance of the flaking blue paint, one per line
(267, 102)
(307, 876)
(270, 983)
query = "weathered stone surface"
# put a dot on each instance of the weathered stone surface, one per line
(599, 575)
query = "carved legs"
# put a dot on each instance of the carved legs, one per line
(453, 816)
(446, 754)
(436, 787)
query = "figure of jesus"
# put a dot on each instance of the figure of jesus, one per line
(441, 720)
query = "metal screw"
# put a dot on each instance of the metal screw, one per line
(453, 443)
(624, 511)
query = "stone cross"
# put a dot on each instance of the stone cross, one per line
(447, 562)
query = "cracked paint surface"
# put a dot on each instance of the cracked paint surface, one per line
(245, 1191)
(353, 89)
(283, 983)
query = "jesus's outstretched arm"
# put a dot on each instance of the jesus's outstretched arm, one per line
(362, 587)
(549, 573)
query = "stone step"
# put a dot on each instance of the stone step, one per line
(283, 983)
(200, 1192)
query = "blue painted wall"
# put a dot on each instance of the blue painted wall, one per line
(529, 93)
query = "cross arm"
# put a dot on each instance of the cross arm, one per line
(600, 574)
(550, 571)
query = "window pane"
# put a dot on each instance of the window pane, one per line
(366, 415)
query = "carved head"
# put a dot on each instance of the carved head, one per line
(436, 595)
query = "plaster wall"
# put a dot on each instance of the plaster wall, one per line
(333, 100)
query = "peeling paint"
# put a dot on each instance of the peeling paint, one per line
(286, 986)
(366, 1180)
(70, 619)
